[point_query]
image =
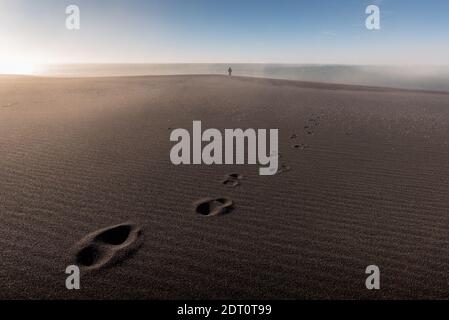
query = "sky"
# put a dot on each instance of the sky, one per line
(413, 32)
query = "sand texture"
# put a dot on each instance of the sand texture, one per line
(86, 178)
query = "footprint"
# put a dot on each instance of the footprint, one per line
(107, 246)
(235, 176)
(293, 136)
(232, 180)
(283, 168)
(214, 207)
(231, 183)
(301, 146)
(313, 122)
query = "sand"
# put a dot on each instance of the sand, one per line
(364, 180)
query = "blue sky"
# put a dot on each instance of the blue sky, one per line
(282, 31)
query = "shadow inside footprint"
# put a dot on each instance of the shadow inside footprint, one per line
(116, 235)
(107, 246)
(214, 207)
(232, 180)
(283, 168)
(231, 183)
(88, 256)
(235, 176)
(301, 146)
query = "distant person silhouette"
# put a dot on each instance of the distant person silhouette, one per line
(230, 71)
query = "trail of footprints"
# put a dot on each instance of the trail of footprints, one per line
(313, 123)
(220, 206)
(310, 127)
(109, 246)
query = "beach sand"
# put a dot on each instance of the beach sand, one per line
(368, 185)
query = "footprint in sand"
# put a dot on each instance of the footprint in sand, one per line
(214, 207)
(107, 246)
(232, 180)
(283, 168)
(314, 122)
(301, 146)
(293, 136)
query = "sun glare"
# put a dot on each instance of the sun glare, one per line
(17, 67)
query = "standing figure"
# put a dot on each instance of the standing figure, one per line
(230, 71)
